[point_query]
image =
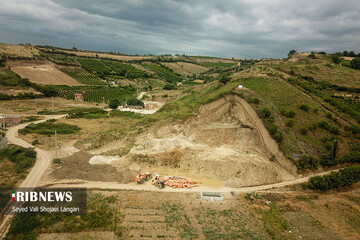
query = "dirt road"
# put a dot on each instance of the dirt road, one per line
(148, 187)
(43, 161)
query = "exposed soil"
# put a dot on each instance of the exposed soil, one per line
(226, 141)
(16, 90)
(80, 236)
(42, 72)
(77, 166)
(185, 68)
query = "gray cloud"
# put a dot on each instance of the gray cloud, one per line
(243, 28)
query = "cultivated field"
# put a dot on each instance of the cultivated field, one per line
(185, 68)
(18, 50)
(42, 72)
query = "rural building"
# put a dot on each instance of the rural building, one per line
(10, 119)
(79, 97)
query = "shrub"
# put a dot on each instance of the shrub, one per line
(48, 128)
(114, 103)
(278, 137)
(307, 162)
(323, 124)
(335, 180)
(303, 131)
(254, 100)
(337, 58)
(288, 113)
(304, 107)
(273, 130)
(315, 110)
(169, 86)
(88, 113)
(35, 142)
(355, 63)
(135, 102)
(312, 55)
(165, 96)
(265, 112)
(24, 158)
(290, 123)
(312, 126)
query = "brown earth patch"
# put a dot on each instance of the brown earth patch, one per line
(42, 72)
(26, 50)
(77, 166)
(185, 68)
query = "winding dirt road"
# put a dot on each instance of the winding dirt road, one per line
(32, 180)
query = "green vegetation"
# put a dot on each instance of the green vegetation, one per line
(307, 162)
(114, 103)
(23, 158)
(101, 216)
(112, 69)
(49, 127)
(88, 113)
(335, 180)
(164, 73)
(96, 94)
(135, 102)
(218, 65)
(83, 76)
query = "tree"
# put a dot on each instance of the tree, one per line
(352, 54)
(150, 88)
(346, 53)
(291, 53)
(169, 86)
(337, 58)
(355, 63)
(224, 79)
(312, 55)
(114, 103)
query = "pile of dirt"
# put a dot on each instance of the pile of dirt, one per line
(77, 166)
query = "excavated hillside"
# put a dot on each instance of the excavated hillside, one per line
(226, 141)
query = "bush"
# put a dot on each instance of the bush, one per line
(273, 130)
(23, 158)
(323, 125)
(254, 100)
(278, 137)
(312, 55)
(135, 102)
(290, 123)
(355, 63)
(337, 58)
(165, 96)
(307, 162)
(48, 128)
(88, 113)
(35, 142)
(303, 131)
(304, 107)
(287, 113)
(312, 126)
(114, 103)
(169, 86)
(335, 180)
(265, 112)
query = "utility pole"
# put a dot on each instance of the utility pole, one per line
(52, 104)
(56, 147)
(4, 121)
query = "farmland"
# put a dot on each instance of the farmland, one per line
(164, 73)
(83, 76)
(96, 94)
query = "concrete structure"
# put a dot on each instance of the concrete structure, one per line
(79, 97)
(212, 196)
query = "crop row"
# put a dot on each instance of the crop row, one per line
(111, 68)
(164, 73)
(97, 94)
(83, 76)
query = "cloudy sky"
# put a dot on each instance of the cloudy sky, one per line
(224, 28)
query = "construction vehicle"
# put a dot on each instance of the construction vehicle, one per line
(142, 177)
(159, 183)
